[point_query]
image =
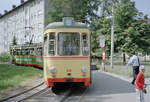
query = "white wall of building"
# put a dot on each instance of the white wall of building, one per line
(23, 22)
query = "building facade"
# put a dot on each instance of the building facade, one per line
(24, 22)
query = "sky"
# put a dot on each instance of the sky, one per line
(141, 5)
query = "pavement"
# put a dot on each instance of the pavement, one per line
(107, 87)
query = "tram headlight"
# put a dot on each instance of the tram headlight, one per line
(84, 69)
(53, 70)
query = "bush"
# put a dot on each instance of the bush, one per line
(5, 57)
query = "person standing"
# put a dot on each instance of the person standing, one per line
(135, 62)
(140, 85)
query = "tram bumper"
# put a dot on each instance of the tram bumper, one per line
(50, 81)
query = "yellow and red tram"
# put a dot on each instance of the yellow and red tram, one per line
(67, 53)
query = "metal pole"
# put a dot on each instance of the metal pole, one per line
(112, 39)
(104, 58)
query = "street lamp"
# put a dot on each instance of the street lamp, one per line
(112, 37)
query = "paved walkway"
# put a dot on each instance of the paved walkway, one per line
(147, 81)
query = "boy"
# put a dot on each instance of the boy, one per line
(140, 85)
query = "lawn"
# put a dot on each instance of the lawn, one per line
(11, 75)
(122, 70)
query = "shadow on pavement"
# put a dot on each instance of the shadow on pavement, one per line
(103, 84)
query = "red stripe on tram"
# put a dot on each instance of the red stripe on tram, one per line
(25, 64)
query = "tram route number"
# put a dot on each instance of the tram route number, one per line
(69, 80)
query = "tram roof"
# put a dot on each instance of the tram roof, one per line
(67, 22)
(62, 25)
(27, 45)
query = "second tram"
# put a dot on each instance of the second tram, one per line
(27, 55)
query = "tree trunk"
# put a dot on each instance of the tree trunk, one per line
(124, 58)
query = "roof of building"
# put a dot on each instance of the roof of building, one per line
(22, 4)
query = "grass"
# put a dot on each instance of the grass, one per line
(5, 57)
(121, 69)
(11, 75)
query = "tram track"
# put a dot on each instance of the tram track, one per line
(17, 97)
(73, 98)
(41, 89)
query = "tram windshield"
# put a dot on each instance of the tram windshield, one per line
(68, 44)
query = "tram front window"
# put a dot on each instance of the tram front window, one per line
(45, 45)
(51, 44)
(85, 49)
(68, 44)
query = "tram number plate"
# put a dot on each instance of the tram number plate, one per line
(69, 80)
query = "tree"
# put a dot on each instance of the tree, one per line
(132, 32)
(106, 6)
(100, 27)
(83, 10)
(14, 40)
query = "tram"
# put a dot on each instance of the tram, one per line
(67, 53)
(27, 55)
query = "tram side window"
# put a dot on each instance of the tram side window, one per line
(45, 45)
(11, 52)
(15, 51)
(27, 51)
(31, 52)
(18, 51)
(85, 49)
(23, 52)
(39, 51)
(51, 44)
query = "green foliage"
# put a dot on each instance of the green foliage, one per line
(14, 42)
(100, 27)
(132, 32)
(83, 10)
(12, 75)
(106, 6)
(125, 13)
(5, 57)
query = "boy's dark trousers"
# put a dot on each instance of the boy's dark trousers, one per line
(135, 73)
